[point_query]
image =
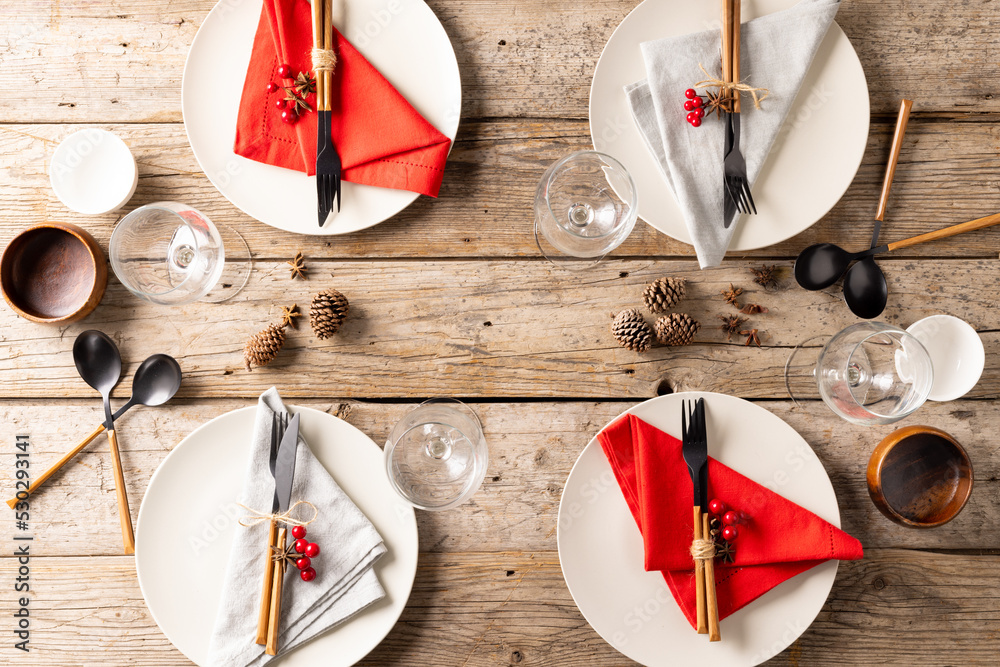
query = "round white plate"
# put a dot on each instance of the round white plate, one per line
(189, 515)
(813, 161)
(403, 39)
(601, 550)
(93, 172)
(957, 355)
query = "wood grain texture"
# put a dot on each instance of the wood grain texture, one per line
(947, 175)
(80, 61)
(489, 329)
(513, 608)
(533, 446)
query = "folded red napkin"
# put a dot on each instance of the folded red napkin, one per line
(778, 541)
(381, 139)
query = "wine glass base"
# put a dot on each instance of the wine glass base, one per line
(237, 269)
(800, 370)
(561, 259)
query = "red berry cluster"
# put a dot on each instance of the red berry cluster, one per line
(295, 94)
(694, 106)
(728, 520)
(309, 550)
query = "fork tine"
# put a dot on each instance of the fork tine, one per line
(684, 421)
(743, 197)
(339, 181)
(749, 195)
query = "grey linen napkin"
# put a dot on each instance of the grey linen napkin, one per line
(777, 51)
(345, 581)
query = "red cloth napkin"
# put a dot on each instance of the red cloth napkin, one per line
(778, 541)
(381, 139)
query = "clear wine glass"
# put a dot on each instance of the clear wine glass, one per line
(585, 207)
(171, 254)
(436, 456)
(870, 373)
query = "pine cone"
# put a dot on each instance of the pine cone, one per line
(631, 330)
(329, 308)
(676, 329)
(263, 346)
(663, 294)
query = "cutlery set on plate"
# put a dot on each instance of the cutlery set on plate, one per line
(738, 197)
(328, 165)
(694, 447)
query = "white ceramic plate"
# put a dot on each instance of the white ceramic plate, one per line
(811, 165)
(189, 515)
(601, 550)
(93, 172)
(403, 39)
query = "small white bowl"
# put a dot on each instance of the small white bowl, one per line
(957, 355)
(93, 172)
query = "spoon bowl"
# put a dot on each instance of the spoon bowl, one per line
(98, 361)
(156, 381)
(821, 265)
(865, 289)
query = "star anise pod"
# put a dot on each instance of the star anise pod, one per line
(732, 295)
(288, 555)
(305, 84)
(717, 104)
(298, 265)
(753, 309)
(298, 101)
(288, 316)
(752, 337)
(731, 324)
(764, 276)
(726, 551)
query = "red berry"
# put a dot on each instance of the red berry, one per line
(696, 102)
(281, 103)
(312, 549)
(691, 116)
(272, 87)
(716, 507)
(729, 533)
(285, 71)
(303, 563)
(688, 105)
(699, 112)
(731, 518)
(690, 93)
(298, 532)
(696, 122)
(301, 545)
(289, 116)
(308, 574)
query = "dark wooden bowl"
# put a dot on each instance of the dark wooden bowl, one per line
(920, 476)
(53, 273)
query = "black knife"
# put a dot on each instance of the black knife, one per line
(284, 473)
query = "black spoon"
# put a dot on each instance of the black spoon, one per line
(821, 265)
(156, 381)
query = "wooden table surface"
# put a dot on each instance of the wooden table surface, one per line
(450, 298)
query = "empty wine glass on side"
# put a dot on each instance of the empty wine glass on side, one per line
(870, 373)
(585, 207)
(436, 456)
(172, 254)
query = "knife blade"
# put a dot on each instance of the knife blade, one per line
(729, 205)
(284, 467)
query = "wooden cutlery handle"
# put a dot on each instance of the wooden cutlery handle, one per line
(954, 230)
(265, 593)
(727, 41)
(711, 601)
(274, 618)
(699, 578)
(897, 143)
(123, 511)
(59, 464)
(735, 67)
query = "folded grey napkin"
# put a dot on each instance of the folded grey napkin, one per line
(345, 581)
(777, 51)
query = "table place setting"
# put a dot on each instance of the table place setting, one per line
(695, 527)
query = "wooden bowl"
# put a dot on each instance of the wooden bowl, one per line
(53, 273)
(919, 476)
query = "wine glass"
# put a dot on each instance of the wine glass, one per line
(171, 254)
(870, 373)
(585, 207)
(436, 456)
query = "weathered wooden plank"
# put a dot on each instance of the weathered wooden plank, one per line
(487, 329)
(77, 61)
(533, 446)
(946, 176)
(508, 608)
